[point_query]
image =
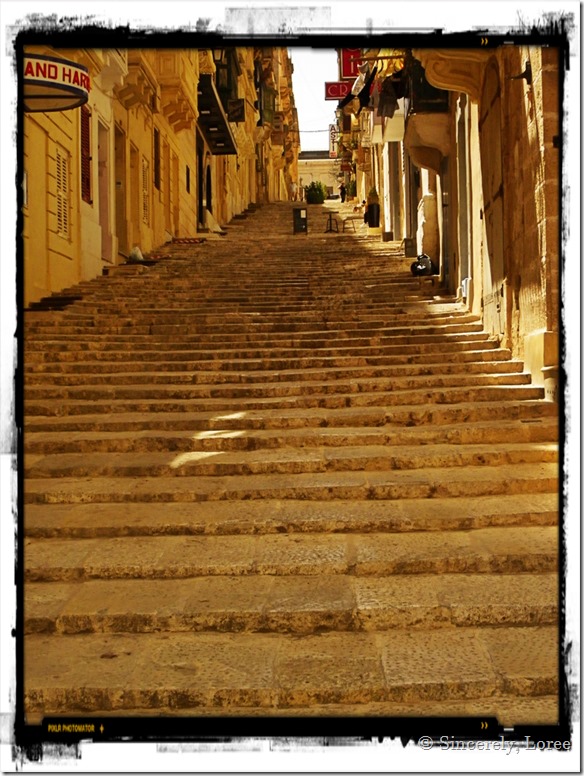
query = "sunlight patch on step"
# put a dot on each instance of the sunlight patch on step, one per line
(185, 458)
(218, 434)
(233, 416)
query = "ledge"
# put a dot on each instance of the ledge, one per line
(457, 70)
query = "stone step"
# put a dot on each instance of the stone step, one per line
(280, 389)
(134, 329)
(192, 670)
(479, 432)
(200, 403)
(291, 604)
(97, 361)
(339, 348)
(508, 710)
(408, 415)
(107, 519)
(285, 460)
(487, 551)
(398, 484)
(450, 321)
(40, 376)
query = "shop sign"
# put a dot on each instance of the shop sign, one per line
(53, 84)
(336, 90)
(236, 111)
(349, 63)
(333, 141)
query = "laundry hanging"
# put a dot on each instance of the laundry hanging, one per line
(387, 99)
(363, 95)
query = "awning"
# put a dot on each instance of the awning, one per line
(213, 122)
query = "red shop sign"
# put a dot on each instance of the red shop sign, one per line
(336, 90)
(350, 59)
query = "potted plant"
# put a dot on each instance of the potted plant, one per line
(315, 193)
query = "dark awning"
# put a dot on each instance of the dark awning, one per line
(213, 122)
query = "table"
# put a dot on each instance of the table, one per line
(332, 223)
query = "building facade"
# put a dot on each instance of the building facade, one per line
(462, 147)
(170, 143)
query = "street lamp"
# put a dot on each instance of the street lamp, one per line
(222, 74)
(219, 57)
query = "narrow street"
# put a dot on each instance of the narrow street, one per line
(274, 474)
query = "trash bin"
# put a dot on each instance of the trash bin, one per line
(300, 220)
(373, 214)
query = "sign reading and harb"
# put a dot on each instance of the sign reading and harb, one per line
(52, 84)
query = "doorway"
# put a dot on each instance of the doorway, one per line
(103, 192)
(492, 177)
(120, 173)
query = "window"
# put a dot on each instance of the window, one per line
(145, 191)
(62, 158)
(188, 179)
(85, 154)
(157, 159)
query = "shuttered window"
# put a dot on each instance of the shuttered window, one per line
(62, 192)
(157, 159)
(85, 154)
(145, 191)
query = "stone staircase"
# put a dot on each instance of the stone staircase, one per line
(273, 474)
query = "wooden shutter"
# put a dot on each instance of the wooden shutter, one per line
(62, 192)
(157, 159)
(85, 154)
(145, 191)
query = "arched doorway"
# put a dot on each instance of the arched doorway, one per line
(494, 307)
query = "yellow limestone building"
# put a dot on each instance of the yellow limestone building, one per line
(158, 144)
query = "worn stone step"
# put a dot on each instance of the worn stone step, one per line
(52, 330)
(291, 604)
(274, 516)
(184, 361)
(138, 329)
(410, 416)
(335, 347)
(450, 395)
(139, 671)
(485, 432)
(482, 551)
(100, 375)
(509, 711)
(287, 460)
(397, 484)
(144, 390)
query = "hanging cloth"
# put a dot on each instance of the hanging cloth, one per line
(362, 95)
(387, 99)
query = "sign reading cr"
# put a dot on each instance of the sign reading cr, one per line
(336, 90)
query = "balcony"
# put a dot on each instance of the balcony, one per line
(427, 122)
(459, 70)
(213, 122)
(140, 86)
(177, 98)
